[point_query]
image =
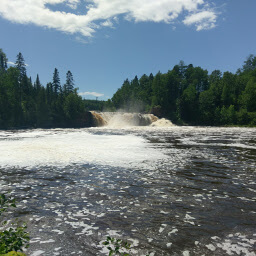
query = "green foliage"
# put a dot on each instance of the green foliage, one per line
(72, 106)
(5, 203)
(106, 106)
(24, 104)
(242, 116)
(14, 237)
(248, 98)
(13, 253)
(250, 63)
(69, 85)
(252, 118)
(98, 105)
(228, 115)
(3, 61)
(21, 66)
(207, 106)
(187, 94)
(189, 104)
(56, 82)
(117, 247)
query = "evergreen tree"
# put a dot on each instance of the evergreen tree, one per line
(189, 105)
(42, 109)
(22, 86)
(37, 84)
(3, 61)
(250, 63)
(69, 85)
(56, 82)
(183, 94)
(20, 65)
(248, 98)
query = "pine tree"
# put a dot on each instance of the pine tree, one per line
(21, 66)
(250, 63)
(69, 85)
(22, 86)
(56, 82)
(49, 93)
(37, 84)
(3, 61)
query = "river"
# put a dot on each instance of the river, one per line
(166, 190)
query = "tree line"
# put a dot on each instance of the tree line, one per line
(27, 104)
(190, 95)
(185, 94)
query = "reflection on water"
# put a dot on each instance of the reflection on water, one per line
(171, 191)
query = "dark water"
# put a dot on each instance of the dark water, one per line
(168, 191)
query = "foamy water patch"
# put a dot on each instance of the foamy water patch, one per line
(66, 147)
(162, 123)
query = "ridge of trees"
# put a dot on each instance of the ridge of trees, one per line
(26, 104)
(189, 95)
(185, 94)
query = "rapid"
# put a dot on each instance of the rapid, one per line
(166, 189)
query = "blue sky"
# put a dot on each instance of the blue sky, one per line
(103, 42)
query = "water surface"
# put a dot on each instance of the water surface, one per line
(169, 191)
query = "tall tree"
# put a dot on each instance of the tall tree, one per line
(250, 63)
(56, 82)
(248, 98)
(20, 65)
(69, 85)
(189, 104)
(22, 84)
(3, 61)
(37, 84)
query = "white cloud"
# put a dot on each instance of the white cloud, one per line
(35, 11)
(202, 20)
(73, 4)
(13, 64)
(107, 23)
(95, 94)
(81, 40)
(100, 13)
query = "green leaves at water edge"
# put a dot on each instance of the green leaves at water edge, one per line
(6, 203)
(117, 247)
(14, 237)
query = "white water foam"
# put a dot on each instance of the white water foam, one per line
(64, 147)
(162, 123)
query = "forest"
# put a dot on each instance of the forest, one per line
(24, 104)
(190, 95)
(186, 95)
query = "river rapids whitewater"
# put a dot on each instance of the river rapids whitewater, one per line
(166, 190)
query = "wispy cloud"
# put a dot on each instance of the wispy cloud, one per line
(107, 23)
(95, 94)
(202, 20)
(73, 3)
(81, 40)
(104, 13)
(13, 64)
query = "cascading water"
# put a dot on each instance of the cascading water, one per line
(122, 119)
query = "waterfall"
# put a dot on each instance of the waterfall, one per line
(121, 119)
(162, 123)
